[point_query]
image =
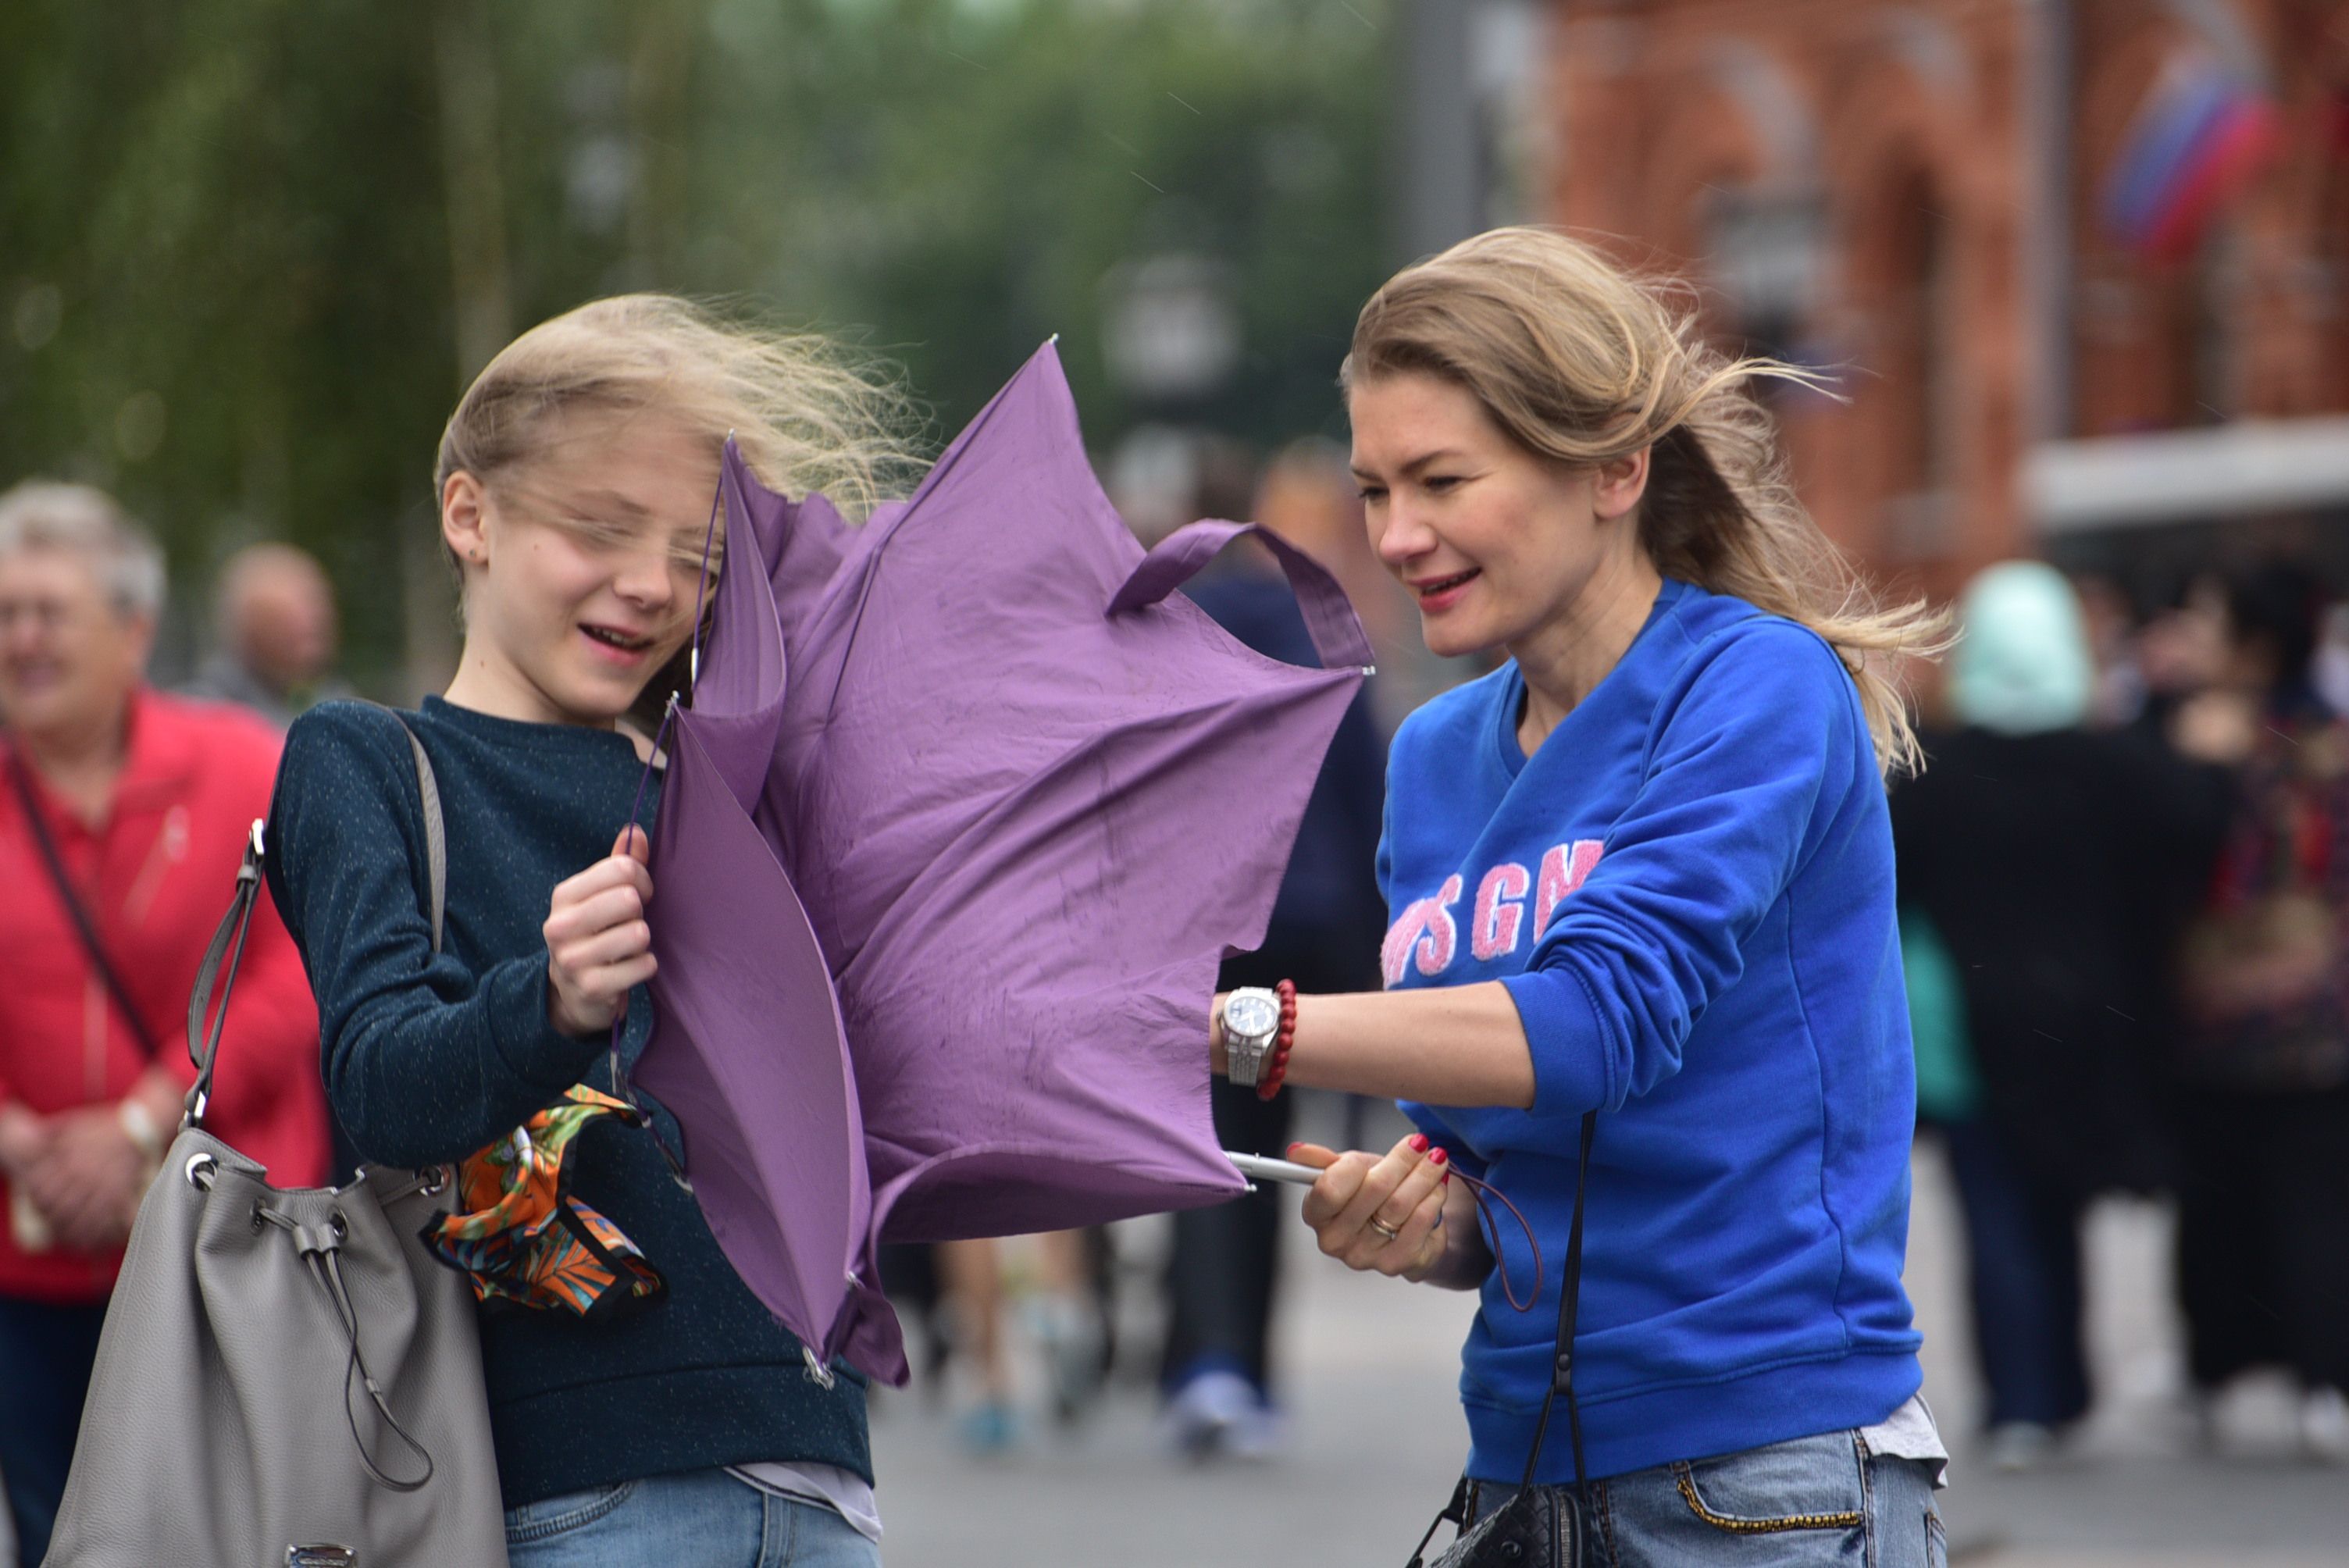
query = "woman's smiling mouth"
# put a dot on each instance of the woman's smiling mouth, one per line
(1440, 593)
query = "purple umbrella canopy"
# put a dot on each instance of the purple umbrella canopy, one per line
(968, 809)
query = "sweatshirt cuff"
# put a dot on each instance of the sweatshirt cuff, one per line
(1567, 1037)
(532, 1048)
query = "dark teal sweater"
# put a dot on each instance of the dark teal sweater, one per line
(428, 1059)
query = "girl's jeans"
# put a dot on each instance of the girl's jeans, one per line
(1822, 1501)
(702, 1519)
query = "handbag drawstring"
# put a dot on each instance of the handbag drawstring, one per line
(322, 1248)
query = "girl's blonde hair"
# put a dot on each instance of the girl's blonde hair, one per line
(808, 414)
(1584, 364)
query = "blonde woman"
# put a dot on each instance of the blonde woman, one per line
(671, 1420)
(1642, 870)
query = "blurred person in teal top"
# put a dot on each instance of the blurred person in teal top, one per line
(1643, 869)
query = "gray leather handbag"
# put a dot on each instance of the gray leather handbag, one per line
(287, 1379)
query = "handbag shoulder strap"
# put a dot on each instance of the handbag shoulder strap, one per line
(219, 967)
(84, 926)
(436, 841)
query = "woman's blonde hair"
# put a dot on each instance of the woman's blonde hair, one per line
(808, 414)
(1585, 363)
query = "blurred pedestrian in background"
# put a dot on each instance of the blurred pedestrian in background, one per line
(2263, 1107)
(121, 824)
(2111, 621)
(1310, 497)
(274, 627)
(274, 637)
(1064, 1317)
(2052, 861)
(1323, 935)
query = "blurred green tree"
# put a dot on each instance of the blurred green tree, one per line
(250, 250)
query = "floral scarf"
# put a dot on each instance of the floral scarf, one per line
(524, 1240)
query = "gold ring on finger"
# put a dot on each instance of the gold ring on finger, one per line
(1383, 1228)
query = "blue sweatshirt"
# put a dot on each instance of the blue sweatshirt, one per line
(1688, 893)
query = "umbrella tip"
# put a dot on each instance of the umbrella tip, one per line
(1052, 340)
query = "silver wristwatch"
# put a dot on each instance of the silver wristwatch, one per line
(1251, 1023)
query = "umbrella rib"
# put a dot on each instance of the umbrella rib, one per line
(701, 585)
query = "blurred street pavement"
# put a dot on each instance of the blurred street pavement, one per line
(1376, 1438)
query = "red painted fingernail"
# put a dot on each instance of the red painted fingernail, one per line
(1438, 1158)
(1447, 1180)
(1419, 1142)
(1294, 1146)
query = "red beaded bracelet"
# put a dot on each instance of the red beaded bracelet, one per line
(1268, 1083)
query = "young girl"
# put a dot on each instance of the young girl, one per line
(671, 1421)
(1643, 869)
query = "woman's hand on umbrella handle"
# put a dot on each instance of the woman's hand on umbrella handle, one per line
(598, 945)
(1379, 1214)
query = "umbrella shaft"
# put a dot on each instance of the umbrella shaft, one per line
(1257, 1167)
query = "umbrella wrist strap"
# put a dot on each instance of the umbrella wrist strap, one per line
(1337, 633)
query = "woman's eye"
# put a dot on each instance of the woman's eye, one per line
(1440, 483)
(1370, 493)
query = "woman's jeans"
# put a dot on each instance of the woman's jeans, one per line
(702, 1519)
(1814, 1501)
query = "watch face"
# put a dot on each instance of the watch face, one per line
(1250, 1016)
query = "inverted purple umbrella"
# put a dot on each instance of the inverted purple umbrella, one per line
(1018, 799)
(748, 1051)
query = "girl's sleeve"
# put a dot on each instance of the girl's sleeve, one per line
(1716, 833)
(425, 1060)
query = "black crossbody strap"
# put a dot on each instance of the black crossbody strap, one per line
(1455, 1514)
(83, 925)
(1569, 1304)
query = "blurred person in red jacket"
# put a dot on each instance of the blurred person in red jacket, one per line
(140, 803)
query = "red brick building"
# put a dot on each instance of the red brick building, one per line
(1913, 191)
